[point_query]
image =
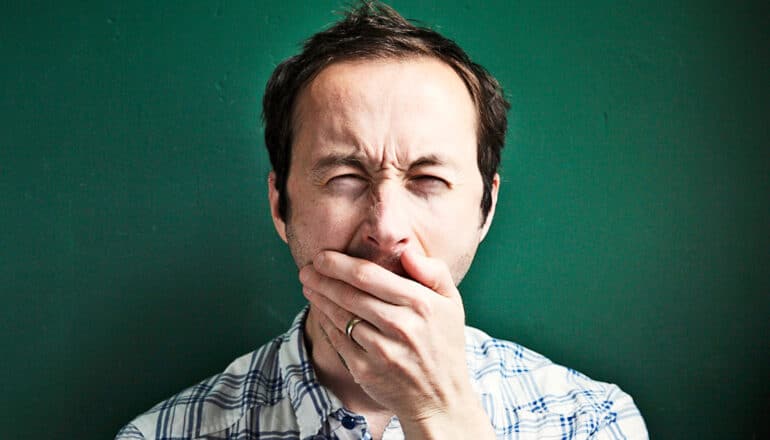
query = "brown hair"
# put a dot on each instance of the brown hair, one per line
(373, 30)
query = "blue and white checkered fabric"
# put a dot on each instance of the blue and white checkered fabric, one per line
(273, 394)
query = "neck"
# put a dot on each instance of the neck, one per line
(331, 372)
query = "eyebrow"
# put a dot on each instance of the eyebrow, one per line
(333, 160)
(428, 160)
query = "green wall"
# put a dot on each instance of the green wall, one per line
(631, 238)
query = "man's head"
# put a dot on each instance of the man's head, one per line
(374, 31)
(381, 133)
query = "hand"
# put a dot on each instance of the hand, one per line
(408, 354)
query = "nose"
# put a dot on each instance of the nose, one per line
(388, 227)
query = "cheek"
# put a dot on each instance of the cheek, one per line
(322, 224)
(447, 228)
(452, 235)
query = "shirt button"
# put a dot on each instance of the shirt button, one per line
(349, 422)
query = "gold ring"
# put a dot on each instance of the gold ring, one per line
(354, 321)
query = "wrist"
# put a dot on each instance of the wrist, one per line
(461, 422)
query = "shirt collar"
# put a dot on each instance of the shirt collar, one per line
(312, 403)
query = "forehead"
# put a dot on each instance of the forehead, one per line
(345, 81)
(386, 108)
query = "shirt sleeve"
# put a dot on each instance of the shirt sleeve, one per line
(130, 432)
(623, 420)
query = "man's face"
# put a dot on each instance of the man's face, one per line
(384, 158)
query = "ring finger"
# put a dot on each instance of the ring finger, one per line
(349, 298)
(361, 334)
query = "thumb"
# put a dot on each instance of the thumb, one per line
(430, 272)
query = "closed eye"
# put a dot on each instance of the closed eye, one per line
(346, 176)
(428, 178)
(429, 184)
(348, 184)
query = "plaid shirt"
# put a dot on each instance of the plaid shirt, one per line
(273, 394)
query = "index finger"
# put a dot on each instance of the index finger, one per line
(431, 273)
(367, 276)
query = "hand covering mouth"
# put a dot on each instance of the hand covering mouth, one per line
(390, 261)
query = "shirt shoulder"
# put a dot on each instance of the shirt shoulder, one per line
(249, 383)
(526, 395)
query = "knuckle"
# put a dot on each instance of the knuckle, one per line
(323, 260)
(350, 298)
(361, 275)
(362, 373)
(381, 351)
(382, 317)
(306, 274)
(411, 330)
(422, 307)
(393, 363)
(403, 330)
(340, 316)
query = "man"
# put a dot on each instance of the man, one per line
(385, 140)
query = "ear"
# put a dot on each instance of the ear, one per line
(493, 192)
(274, 195)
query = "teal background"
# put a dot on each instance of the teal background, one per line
(631, 239)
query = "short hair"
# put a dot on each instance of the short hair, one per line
(372, 30)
